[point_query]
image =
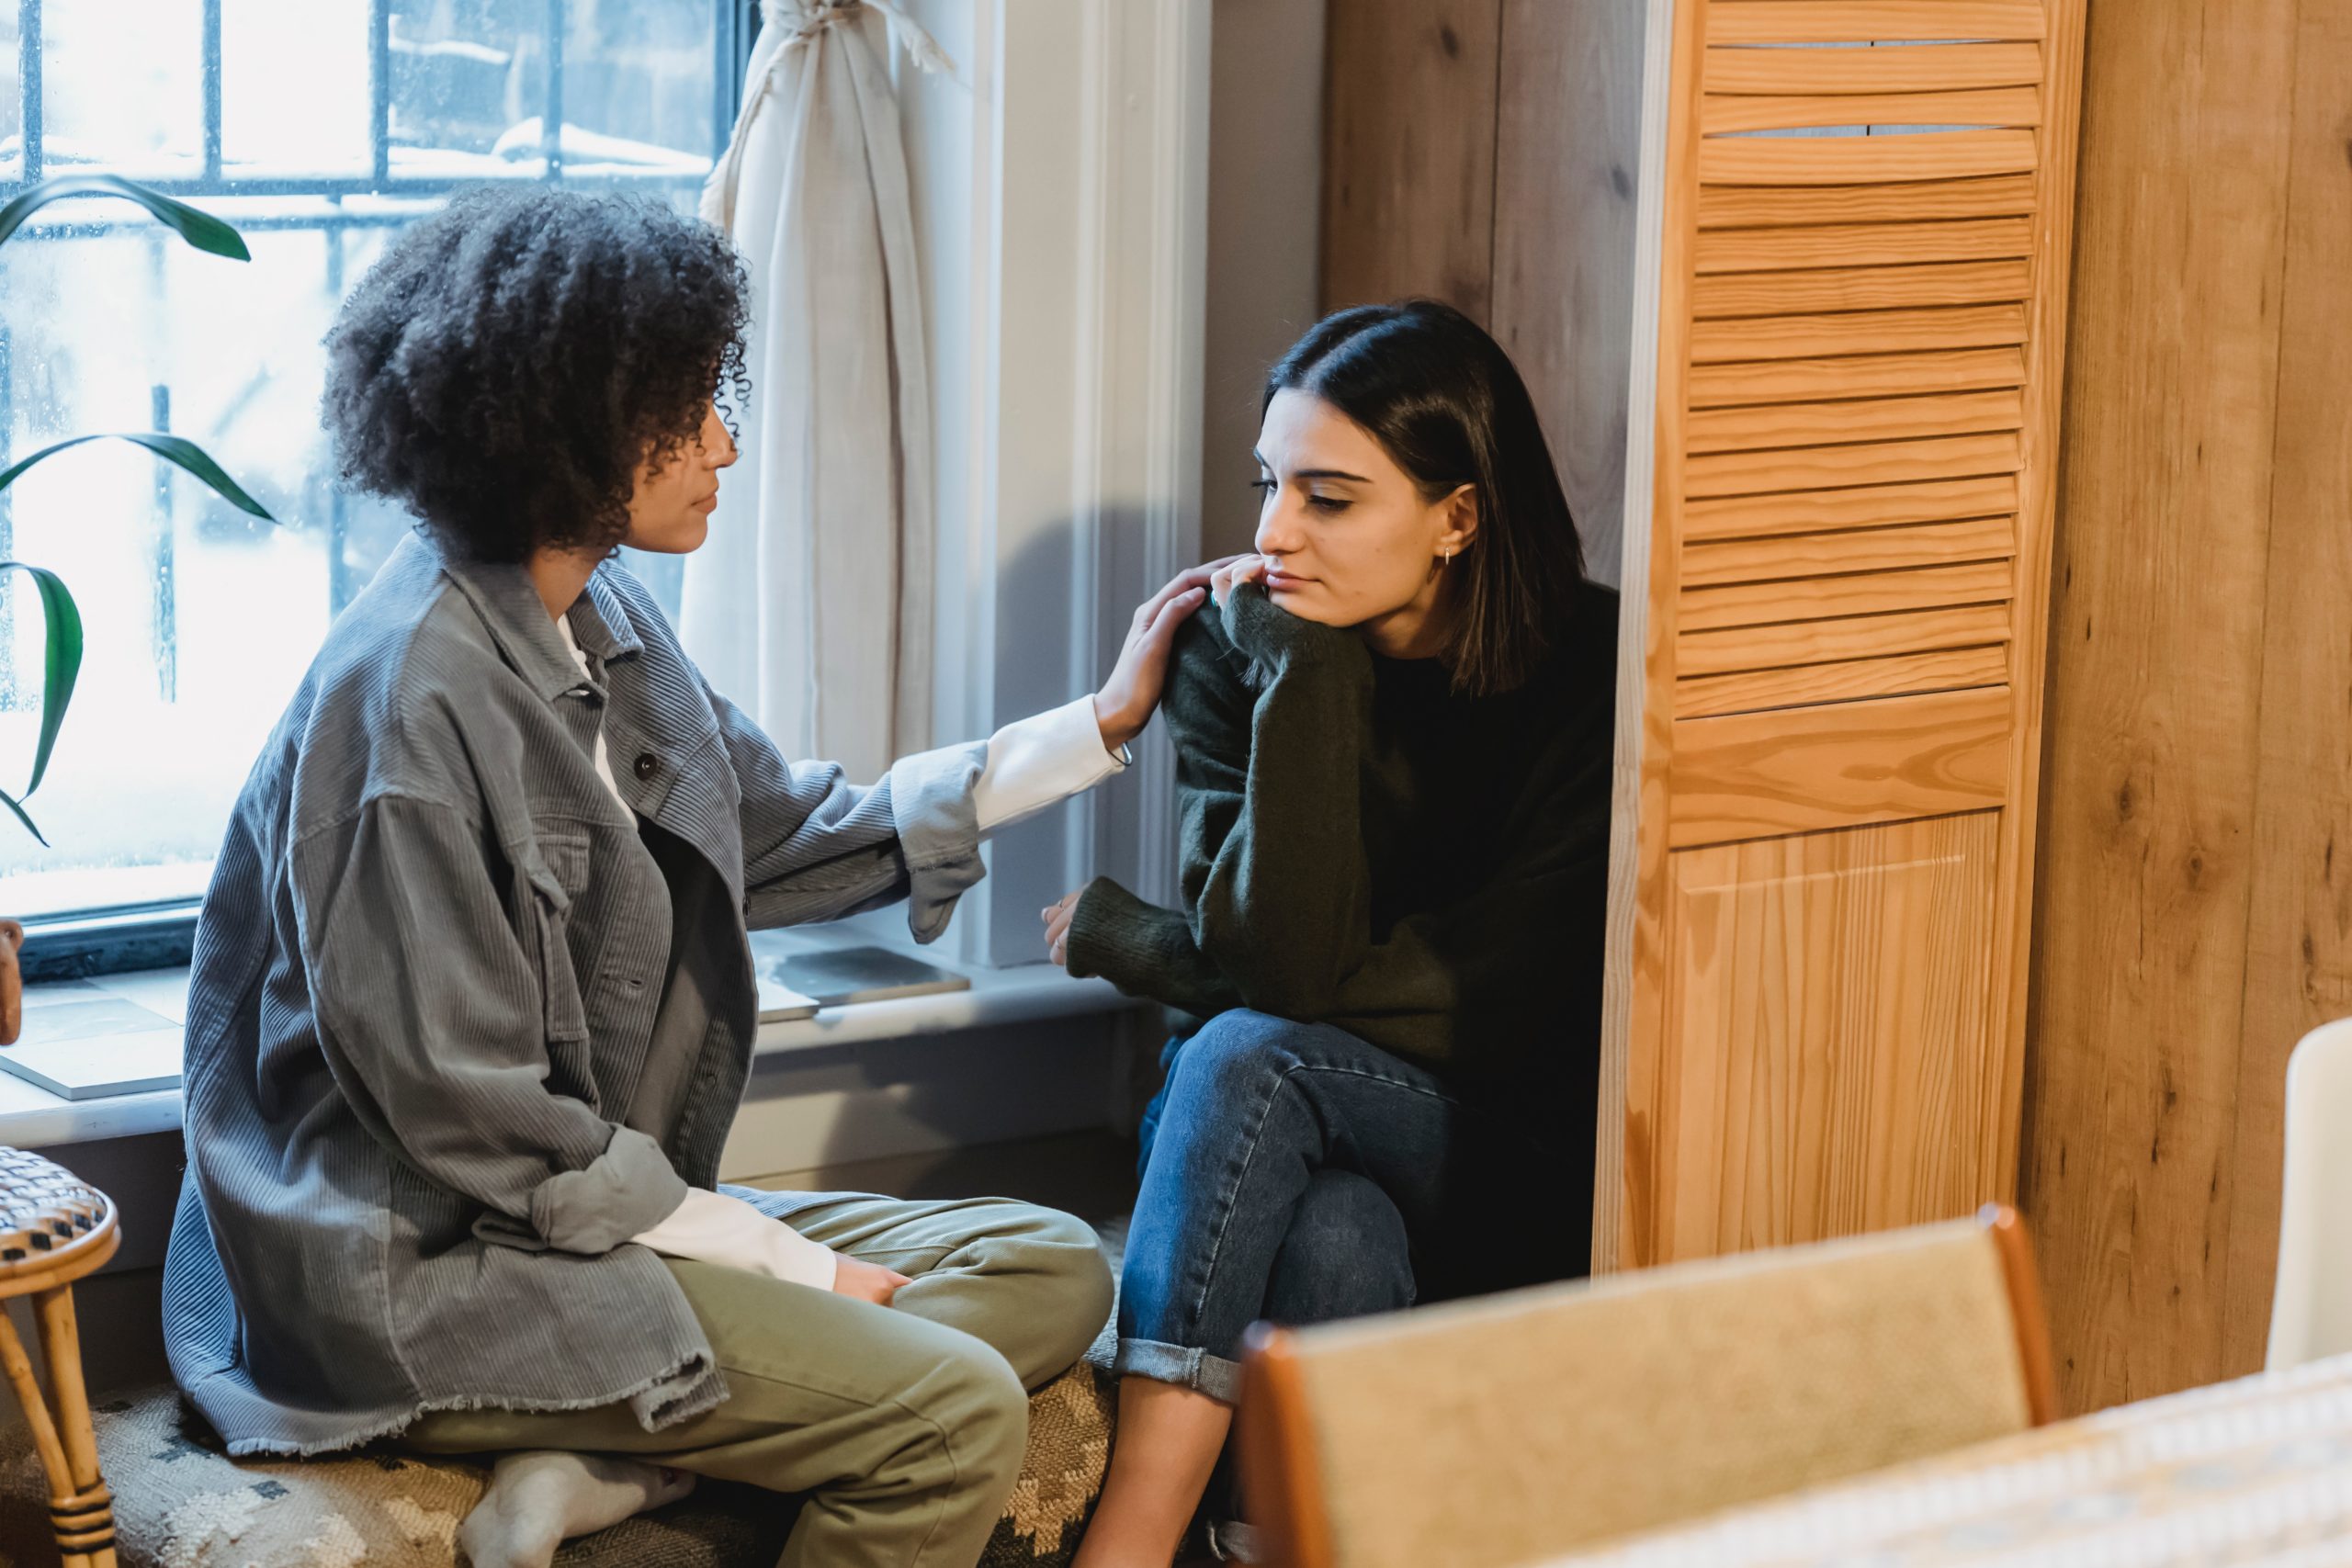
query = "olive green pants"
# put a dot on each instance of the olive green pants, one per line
(905, 1424)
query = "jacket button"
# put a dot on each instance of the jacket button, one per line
(647, 765)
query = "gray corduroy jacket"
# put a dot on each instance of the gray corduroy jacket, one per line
(427, 983)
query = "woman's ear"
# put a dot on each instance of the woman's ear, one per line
(1461, 519)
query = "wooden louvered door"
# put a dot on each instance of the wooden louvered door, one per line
(1826, 885)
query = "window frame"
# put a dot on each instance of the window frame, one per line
(161, 934)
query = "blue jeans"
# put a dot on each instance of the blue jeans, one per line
(1294, 1173)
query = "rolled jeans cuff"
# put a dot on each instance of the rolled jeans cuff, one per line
(1181, 1365)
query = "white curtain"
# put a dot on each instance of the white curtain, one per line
(811, 606)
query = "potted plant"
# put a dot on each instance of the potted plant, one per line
(62, 622)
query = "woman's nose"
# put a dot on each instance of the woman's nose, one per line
(1277, 532)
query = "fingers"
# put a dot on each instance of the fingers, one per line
(1172, 614)
(1185, 581)
(1057, 916)
(1238, 570)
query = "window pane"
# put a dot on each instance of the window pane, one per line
(294, 89)
(637, 85)
(122, 87)
(468, 81)
(200, 621)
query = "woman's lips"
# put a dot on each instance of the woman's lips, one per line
(709, 503)
(1276, 581)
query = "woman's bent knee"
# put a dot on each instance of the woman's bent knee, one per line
(1065, 1250)
(982, 1414)
(1233, 1050)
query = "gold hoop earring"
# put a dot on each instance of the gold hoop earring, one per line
(1449, 555)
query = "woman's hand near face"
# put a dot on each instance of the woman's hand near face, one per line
(1056, 917)
(1233, 571)
(1125, 704)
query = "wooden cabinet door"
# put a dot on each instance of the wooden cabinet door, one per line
(1828, 759)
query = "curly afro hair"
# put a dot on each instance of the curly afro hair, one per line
(507, 366)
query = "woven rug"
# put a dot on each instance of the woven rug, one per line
(180, 1502)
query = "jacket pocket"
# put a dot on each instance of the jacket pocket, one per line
(556, 868)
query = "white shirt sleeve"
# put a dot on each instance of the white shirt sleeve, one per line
(711, 1227)
(1042, 760)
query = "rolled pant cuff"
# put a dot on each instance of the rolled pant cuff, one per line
(1187, 1368)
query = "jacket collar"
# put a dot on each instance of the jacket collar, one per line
(501, 592)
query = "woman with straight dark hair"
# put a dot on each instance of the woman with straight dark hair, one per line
(1393, 740)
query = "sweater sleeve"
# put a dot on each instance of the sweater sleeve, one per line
(1274, 882)
(1276, 876)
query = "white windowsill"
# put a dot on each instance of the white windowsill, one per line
(31, 1117)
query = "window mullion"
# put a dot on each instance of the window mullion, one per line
(29, 42)
(551, 118)
(380, 89)
(211, 46)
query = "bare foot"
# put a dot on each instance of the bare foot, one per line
(538, 1500)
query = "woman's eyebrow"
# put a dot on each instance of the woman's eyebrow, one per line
(1314, 473)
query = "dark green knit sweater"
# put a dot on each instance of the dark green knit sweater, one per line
(1362, 847)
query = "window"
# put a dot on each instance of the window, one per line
(319, 127)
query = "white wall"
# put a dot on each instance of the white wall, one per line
(1059, 183)
(1265, 203)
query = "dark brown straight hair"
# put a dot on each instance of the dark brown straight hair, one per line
(1446, 403)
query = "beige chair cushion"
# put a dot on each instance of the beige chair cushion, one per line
(1502, 1430)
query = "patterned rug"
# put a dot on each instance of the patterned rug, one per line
(181, 1503)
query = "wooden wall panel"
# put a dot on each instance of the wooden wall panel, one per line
(2152, 725)
(2196, 915)
(2299, 936)
(1568, 109)
(1409, 151)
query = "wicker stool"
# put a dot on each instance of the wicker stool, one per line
(53, 1230)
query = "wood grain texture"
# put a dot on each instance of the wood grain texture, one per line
(1846, 593)
(1751, 690)
(2153, 731)
(2299, 932)
(1764, 426)
(1825, 1065)
(1840, 765)
(1408, 147)
(1859, 332)
(1859, 506)
(1865, 463)
(1770, 206)
(1855, 367)
(1632, 1016)
(1825, 642)
(2038, 482)
(1865, 375)
(1863, 244)
(1847, 21)
(1710, 563)
(1859, 288)
(1726, 114)
(1567, 123)
(1813, 72)
(1863, 160)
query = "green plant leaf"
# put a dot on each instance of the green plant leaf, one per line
(199, 229)
(10, 801)
(61, 666)
(172, 449)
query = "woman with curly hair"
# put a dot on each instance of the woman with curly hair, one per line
(472, 1005)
